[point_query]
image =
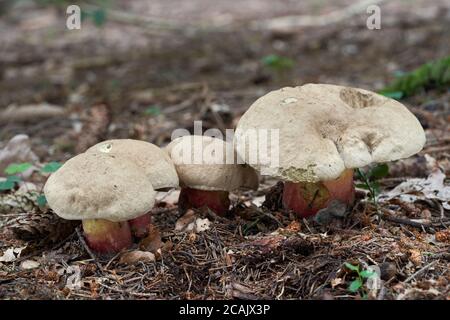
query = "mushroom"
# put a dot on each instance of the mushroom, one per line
(325, 131)
(155, 163)
(104, 192)
(208, 171)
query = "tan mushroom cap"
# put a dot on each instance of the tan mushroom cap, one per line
(99, 186)
(153, 160)
(201, 163)
(324, 129)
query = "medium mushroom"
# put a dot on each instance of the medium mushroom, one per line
(155, 163)
(103, 191)
(325, 131)
(208, 171)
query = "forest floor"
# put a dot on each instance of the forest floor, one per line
(121, 80)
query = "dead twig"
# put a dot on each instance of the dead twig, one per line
(425, 268)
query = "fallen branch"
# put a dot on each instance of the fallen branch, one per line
(288, 23)
(425, 268)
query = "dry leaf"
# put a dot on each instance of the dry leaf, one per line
(191, 223)
(136, 256)
(11, 254)
(29, 264)
(187, 219)
(153, 241)
(18, 150)
(421, 189)
(336, 281)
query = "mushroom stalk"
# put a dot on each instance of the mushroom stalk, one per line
(217, 201)
(104, 236)
(140, 225)
(306, 198)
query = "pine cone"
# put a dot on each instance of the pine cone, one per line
(43, 227)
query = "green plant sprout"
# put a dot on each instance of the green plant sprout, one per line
(362, 275)
(435, 74)
(13, 177)
(15, 169)
(369, 180)
(277, 63)
(153, 111)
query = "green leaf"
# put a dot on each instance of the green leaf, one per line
(379, 171)
(367, 273)
(14, 168)
(375, 187)
(51, 167)
(397, 95)
(362, 186)
(351, 267)
(99, 17)
(153, 111)
(429, 75)
(277, 62)
(6, 185)
(355, 285)
(14, 178)
(41, 200)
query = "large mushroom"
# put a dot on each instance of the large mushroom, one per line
(103, 191)
(155, 164)
(208, 171)
(325, 131)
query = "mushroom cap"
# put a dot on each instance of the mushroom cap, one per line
(99, 186)
(210, 164)
(153, 160)
(324, 129)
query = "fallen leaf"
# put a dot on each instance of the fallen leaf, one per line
(74, 280)
(29, 264)
(11, 254)
(153, 241)
(189, 222)
(136, 256)
(187, 219)
(421, 189)
(202, 224)
(18, 150)
(336, 281)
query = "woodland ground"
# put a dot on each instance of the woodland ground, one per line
(134, 79)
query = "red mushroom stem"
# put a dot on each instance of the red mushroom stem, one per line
(104, 236)
(217, 201)
(140, 225)
(306, 198)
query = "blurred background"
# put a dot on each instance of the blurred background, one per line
(140, 69)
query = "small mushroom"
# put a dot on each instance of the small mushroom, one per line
(325, 131)
(103, 191)
(155, 163)
(208, 171)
